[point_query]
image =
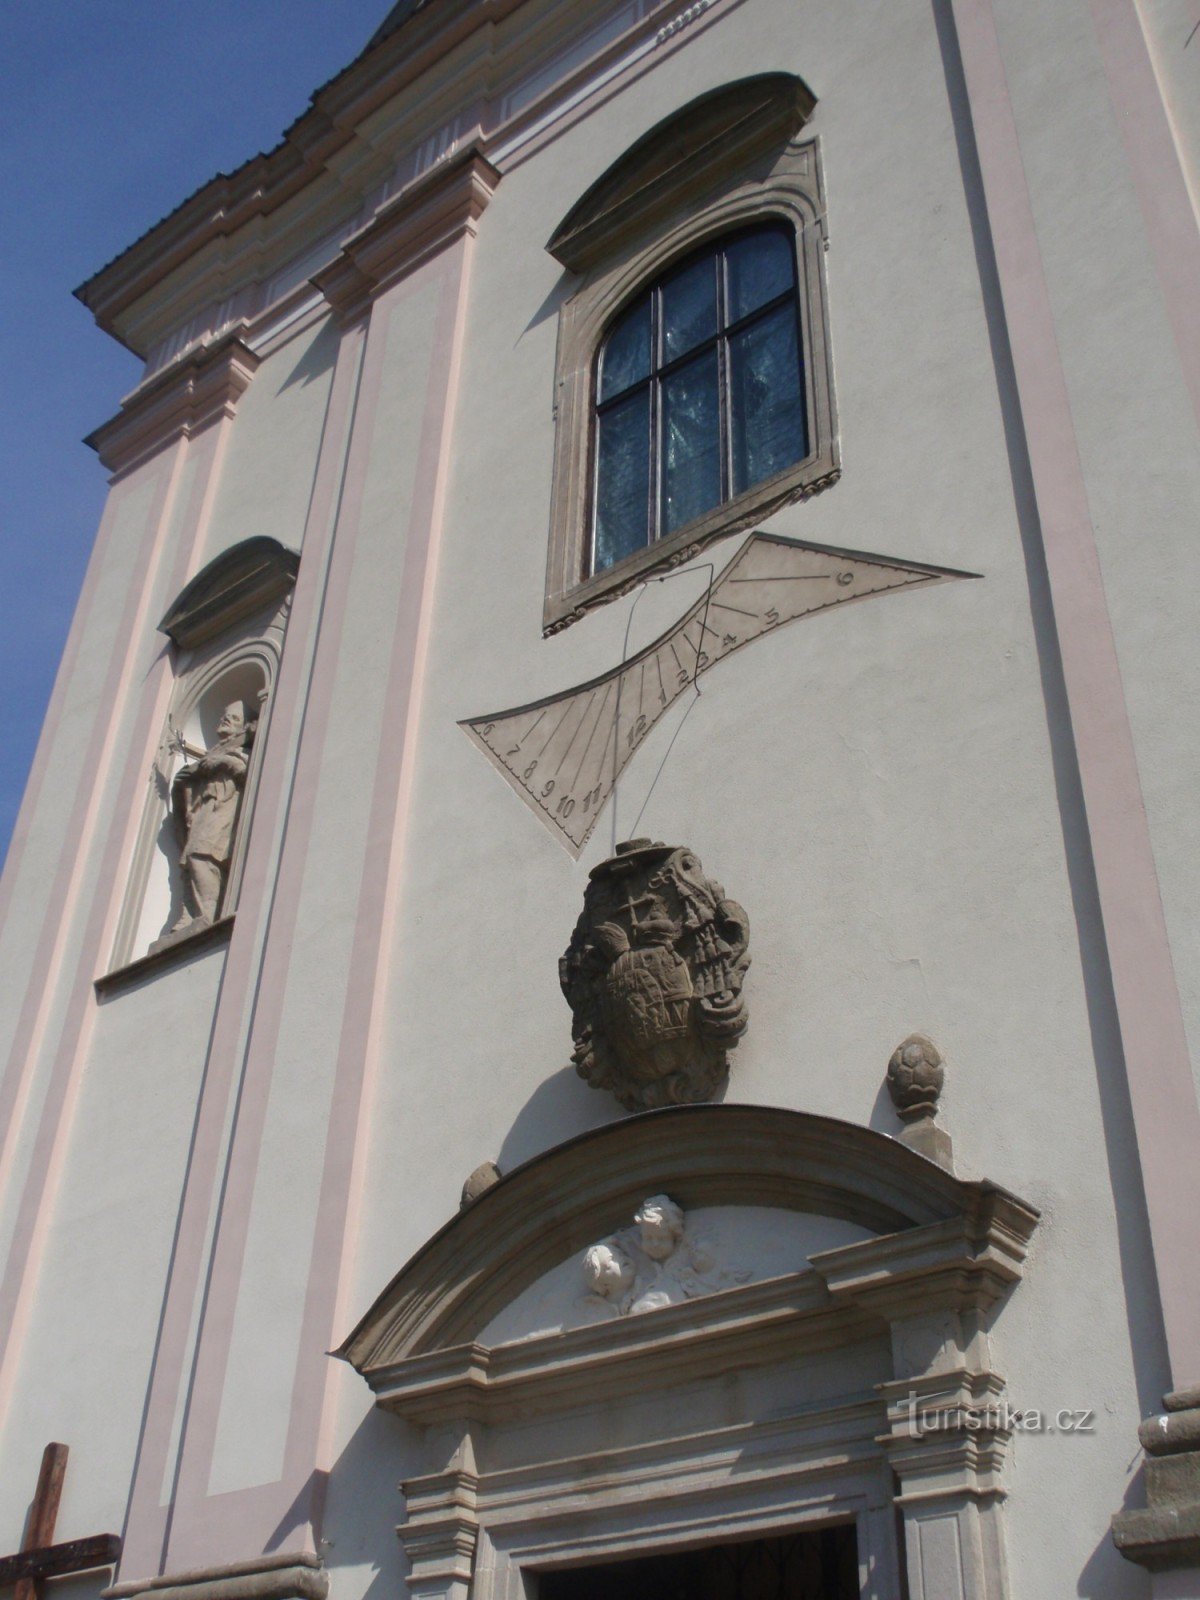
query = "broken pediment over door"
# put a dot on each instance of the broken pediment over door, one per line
(702, 1327)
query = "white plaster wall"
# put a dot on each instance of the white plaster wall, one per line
(256, 1402)
(91, 1339)
(876, 785)
(267, 476)
(1170, 28)
(1137, 428)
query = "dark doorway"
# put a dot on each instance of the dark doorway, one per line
(821, 1565)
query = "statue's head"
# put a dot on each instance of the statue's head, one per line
(660, 1226)
(234, 723)
(608, 1270)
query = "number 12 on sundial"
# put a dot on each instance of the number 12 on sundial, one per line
(564, 754)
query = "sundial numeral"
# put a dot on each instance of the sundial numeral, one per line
(596, 728)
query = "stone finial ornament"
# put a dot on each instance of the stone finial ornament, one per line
(915, 1076)
(653, 975)
(485, 1175)
(1165, 1536)
(658, 1262)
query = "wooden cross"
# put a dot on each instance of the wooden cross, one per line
(39, 1558)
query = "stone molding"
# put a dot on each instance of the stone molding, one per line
(722, 162)
(449, 69)
(289, 1575)
(202, 387)
(917, 1295)
(241, 581)
(726, 128)
(191, 944)
(414, 225)
(1165, 1536)
(563, 1200)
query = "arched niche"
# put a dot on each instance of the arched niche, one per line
(226, 627)
(542, 1440)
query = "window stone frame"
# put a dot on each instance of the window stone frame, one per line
(725, 161)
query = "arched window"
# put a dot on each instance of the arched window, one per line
(693, 392)
(699, 392)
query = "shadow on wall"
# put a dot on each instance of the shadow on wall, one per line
(317, 359)
(1106, 1574)
(1138, 1283)
(358, 1504)
(558, 1109)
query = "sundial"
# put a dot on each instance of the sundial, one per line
(564, 754)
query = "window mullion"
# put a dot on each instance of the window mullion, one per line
(724, 395)
(654, 509)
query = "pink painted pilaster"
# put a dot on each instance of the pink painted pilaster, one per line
(201, 1522)
(424, 236)
(147, 1518)
(1165, 1113)
(54, 713)
(331, 1267)
(1158, 178)
(70, 900)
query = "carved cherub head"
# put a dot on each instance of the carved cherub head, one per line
(660, 1226)
(608, 1270)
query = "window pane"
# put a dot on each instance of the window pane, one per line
(760, 267)
(691, 467)
(626, 357)
(766, 399)
(622, 479)
(689, 308)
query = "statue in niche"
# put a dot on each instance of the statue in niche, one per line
(206, 795)
(656, 1263)
(653, 975)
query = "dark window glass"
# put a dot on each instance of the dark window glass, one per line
(626, 358)
(691, 454)
(761, 268)
(766, 409)
(818, 1565)
(623, 478)
(689, 308)
(699, 392)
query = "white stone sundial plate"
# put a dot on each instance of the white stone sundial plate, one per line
(564, 754)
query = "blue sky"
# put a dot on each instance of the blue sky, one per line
(111, 113)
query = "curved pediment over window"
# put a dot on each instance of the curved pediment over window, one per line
(725, 128)
(238, 583)
(857, 1197)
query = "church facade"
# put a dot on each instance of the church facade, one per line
(599, 971)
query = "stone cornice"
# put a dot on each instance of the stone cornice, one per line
(415, 224)
(847, 1295)
(290, 1575)
(701, 1155)
(741, 1328)
(316, 144)
(205, 385)
(451, 72)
